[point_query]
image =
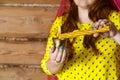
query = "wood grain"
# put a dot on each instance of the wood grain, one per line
(21, 53)
(20, 60)
(27, 21)
(17, 73)
(31, 1)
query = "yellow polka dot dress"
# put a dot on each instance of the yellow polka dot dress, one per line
(84, 65)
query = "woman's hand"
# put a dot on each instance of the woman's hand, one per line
(104, 22)
(113, 33)
(58, 54)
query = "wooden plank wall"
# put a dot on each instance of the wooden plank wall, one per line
(24, 28)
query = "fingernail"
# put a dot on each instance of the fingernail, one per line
(64, 48)
(60, 47)
(93, 27)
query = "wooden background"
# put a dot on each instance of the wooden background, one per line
(24, 28)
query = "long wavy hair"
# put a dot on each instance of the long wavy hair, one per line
(99, 10)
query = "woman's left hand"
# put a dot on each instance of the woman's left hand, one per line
(104, 22)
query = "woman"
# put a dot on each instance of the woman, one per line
(94, 57)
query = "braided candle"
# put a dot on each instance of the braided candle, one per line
(76, 33)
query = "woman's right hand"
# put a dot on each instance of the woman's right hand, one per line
(57, 59)
(58, 54)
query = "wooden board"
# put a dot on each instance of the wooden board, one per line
(21, 53)
(17, 73)
(29, 21)
(16, 22)
(31, 1)
(19, 59)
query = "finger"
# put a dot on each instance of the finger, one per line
(64, 55)
(96, 35)
(99, 20)
(112, 31)
(93, 27)
(52, 50)
(106, 34)
(96, 24)
(105, 20)
(59, 56)
(102, 24)
(54, 54)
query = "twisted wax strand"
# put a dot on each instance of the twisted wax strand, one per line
(77, 33)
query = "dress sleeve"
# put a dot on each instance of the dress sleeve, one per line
(53, 34)
(115, 18)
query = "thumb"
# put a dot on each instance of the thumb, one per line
(96, 35)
